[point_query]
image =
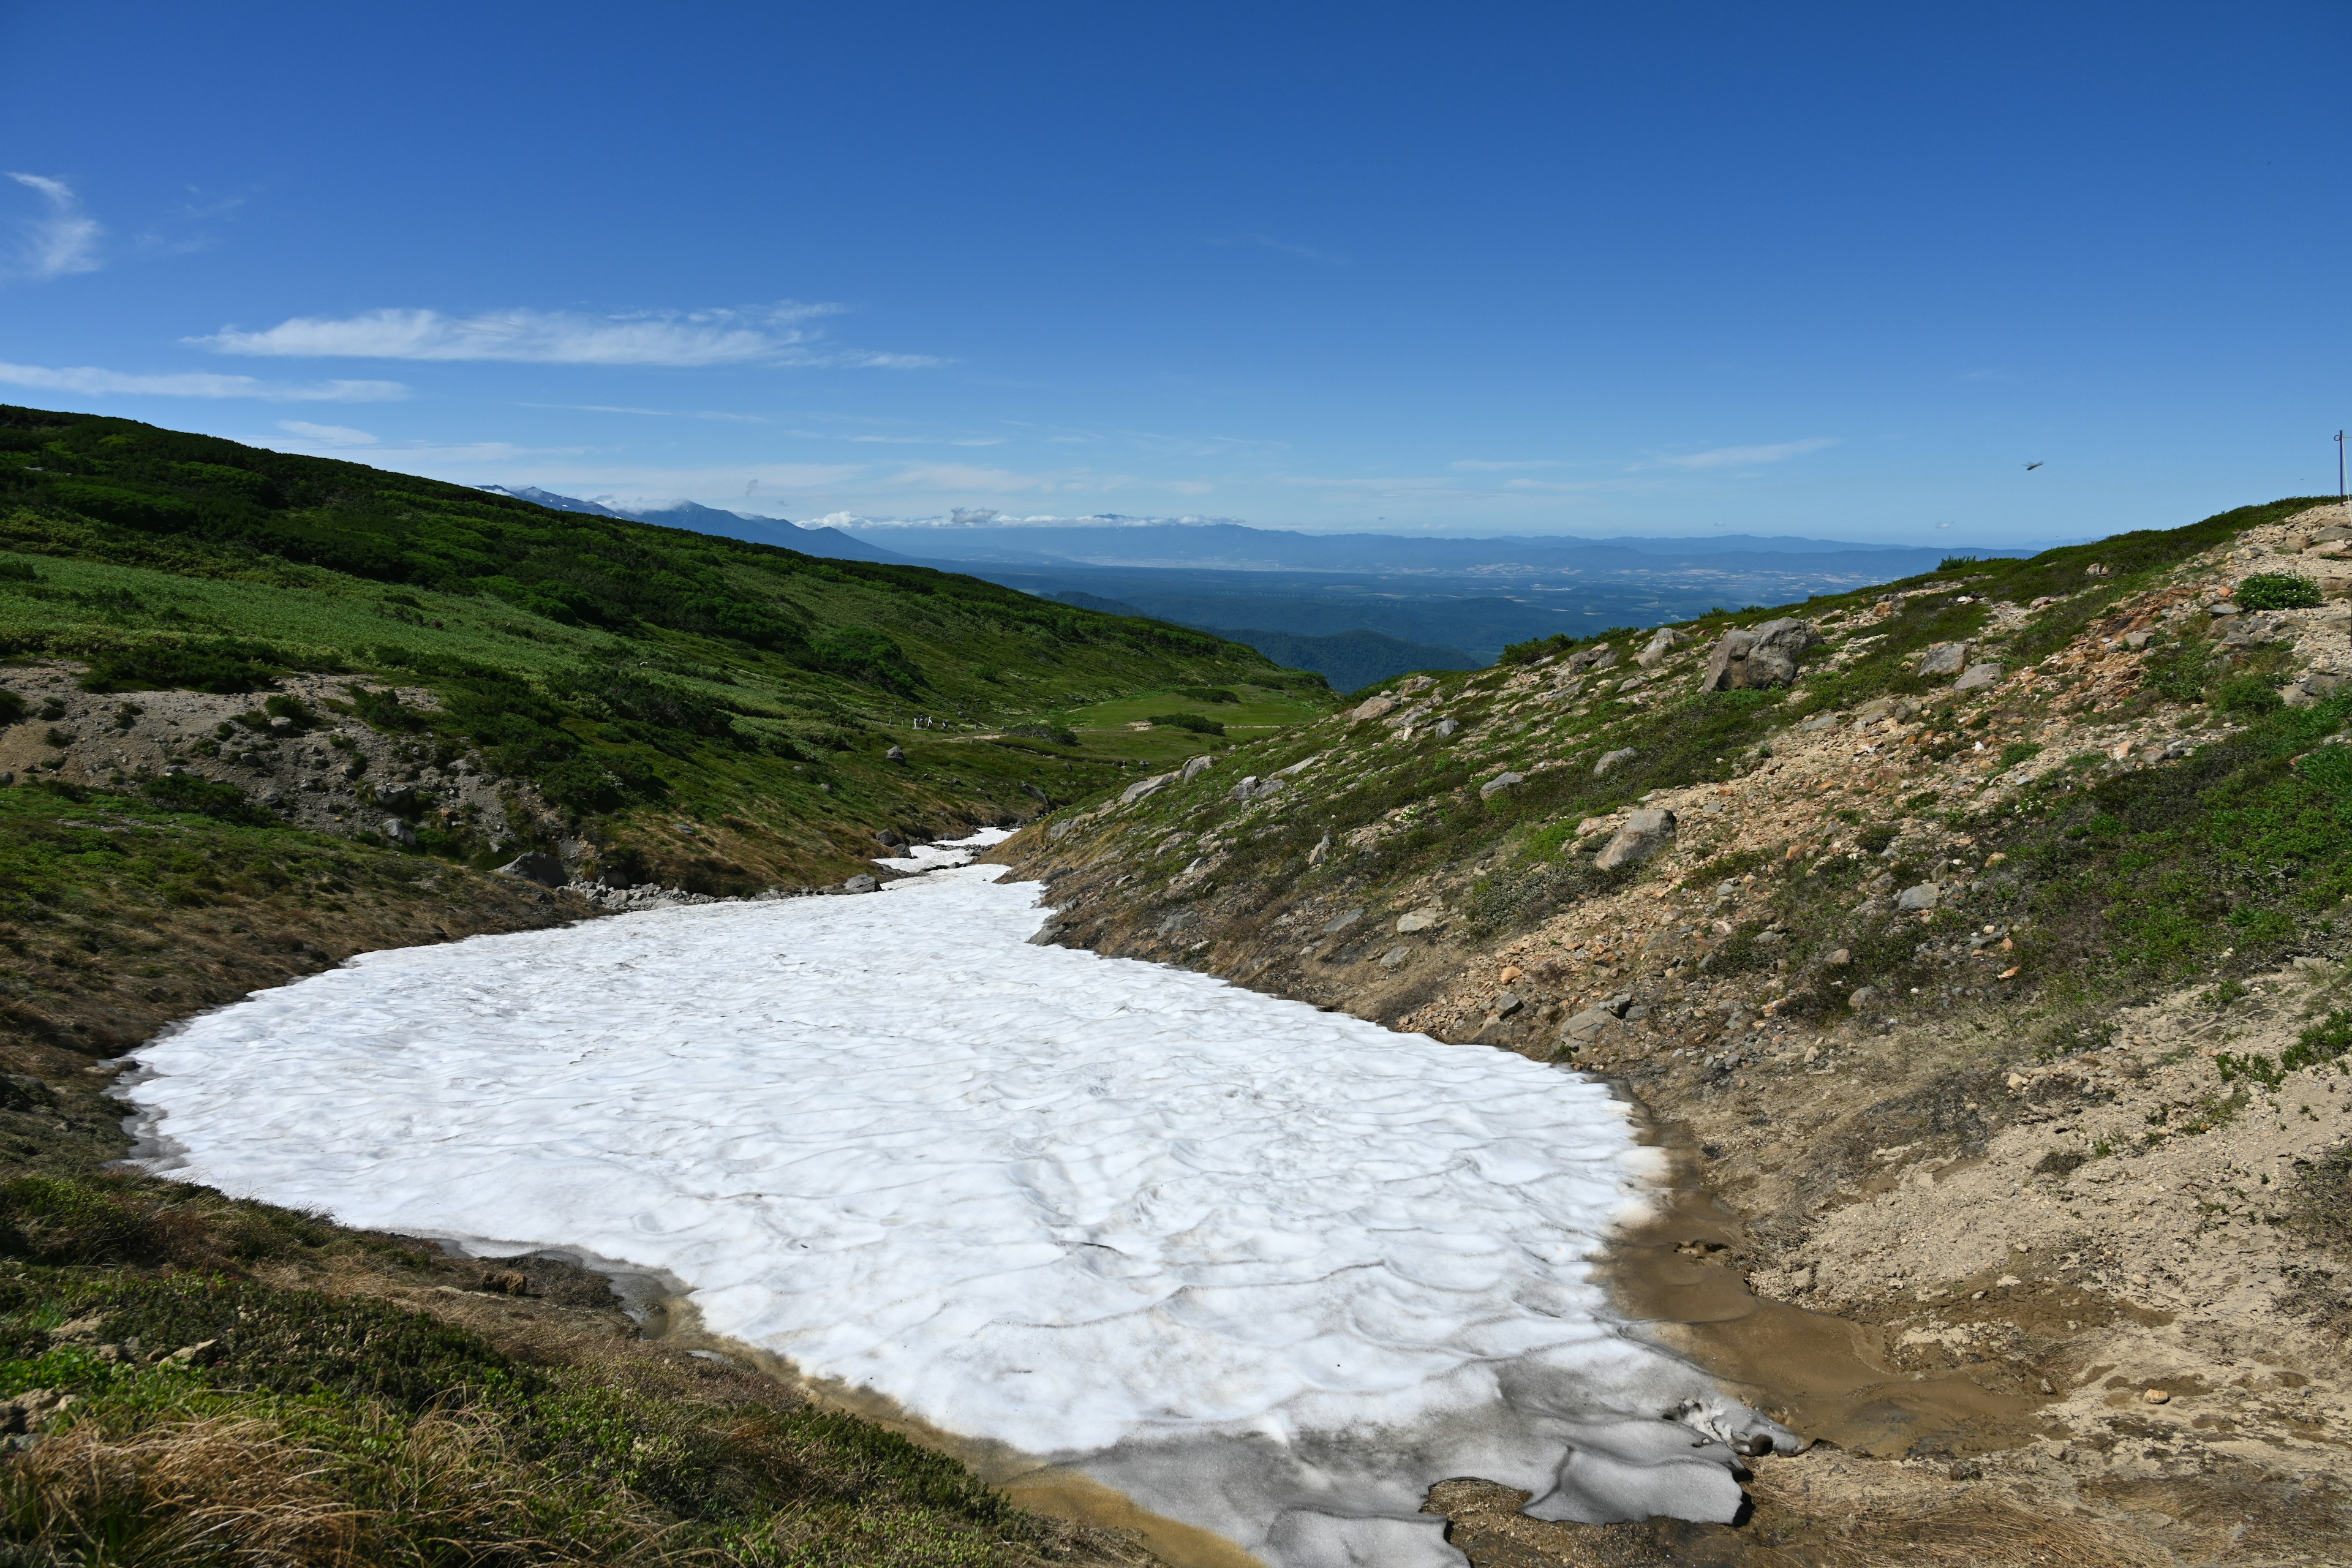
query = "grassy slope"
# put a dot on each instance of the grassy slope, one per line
(2127, 880)
(367, 1401)
(629, 672)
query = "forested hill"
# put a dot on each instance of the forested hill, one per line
(611, 669)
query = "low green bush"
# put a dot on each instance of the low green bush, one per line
(1198, 723)
(2278, 591)
(224, 669)
(208, 797)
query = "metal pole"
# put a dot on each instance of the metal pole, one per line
(2340, 465)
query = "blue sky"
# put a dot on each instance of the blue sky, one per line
(1842, 270)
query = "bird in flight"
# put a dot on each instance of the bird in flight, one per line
(2031, 467)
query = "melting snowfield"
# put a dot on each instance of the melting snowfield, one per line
(1270, 1271)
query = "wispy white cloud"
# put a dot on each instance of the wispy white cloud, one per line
(333, 435)
(90, 381)
(61, 241)
(1481, 466)
(1744, 456)
(769, 335)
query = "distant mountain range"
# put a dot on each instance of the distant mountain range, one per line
(1431, 603)
(1349, 660)
(1235, 547)
(687, 515)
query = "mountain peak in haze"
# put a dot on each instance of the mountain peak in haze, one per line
(696, 517)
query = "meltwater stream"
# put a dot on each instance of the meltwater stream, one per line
(1268, 1270)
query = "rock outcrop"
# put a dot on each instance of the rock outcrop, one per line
(1752, 658)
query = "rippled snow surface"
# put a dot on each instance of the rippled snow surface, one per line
(1269, 1270)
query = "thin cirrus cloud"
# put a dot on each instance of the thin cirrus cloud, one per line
(1744, 456)
(333, 435)
(90, 381)
(770, 335)
(60, 242)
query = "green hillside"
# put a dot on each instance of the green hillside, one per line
(623, 671)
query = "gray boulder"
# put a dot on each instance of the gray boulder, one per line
(1751, 658)
(1498, 783)
(1590, 1027)
(1977, 676)
(1194, 767)
(888, 839)
(1444, 728)
(1644, 834)
(894, 755)
(536, 867)
(1611, 761)
(1603, 1020)
(399, 832)
(1663, 641)
(1883, 708)
(1506, 1003)
(1142, 787)
(861, 883)
(1945, 659)
(1600, 655)
(1924, 896)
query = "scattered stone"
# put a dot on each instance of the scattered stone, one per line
(861, 883)
(1863, 997)
(1506, 1003)
(1322, 848)
(1922, 896)
(1500, 782)
(887, 839)
(1444, 728)
(1819, 722)
(2156, 1396)
(894, 755)
(1944, 658)
(1195, 766)
(1419, 919)
(1663, 641)
(1977, 676)
(1751, 658)
(1839, 959)
(1395, 957)
(2137, 640)
(1644, 834)
(399, 832)
(540, 867)
(1612, 760)
(1371, 708)
(1059, 831)
(1334, 926)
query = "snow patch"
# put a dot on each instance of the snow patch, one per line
(1269, 1270)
